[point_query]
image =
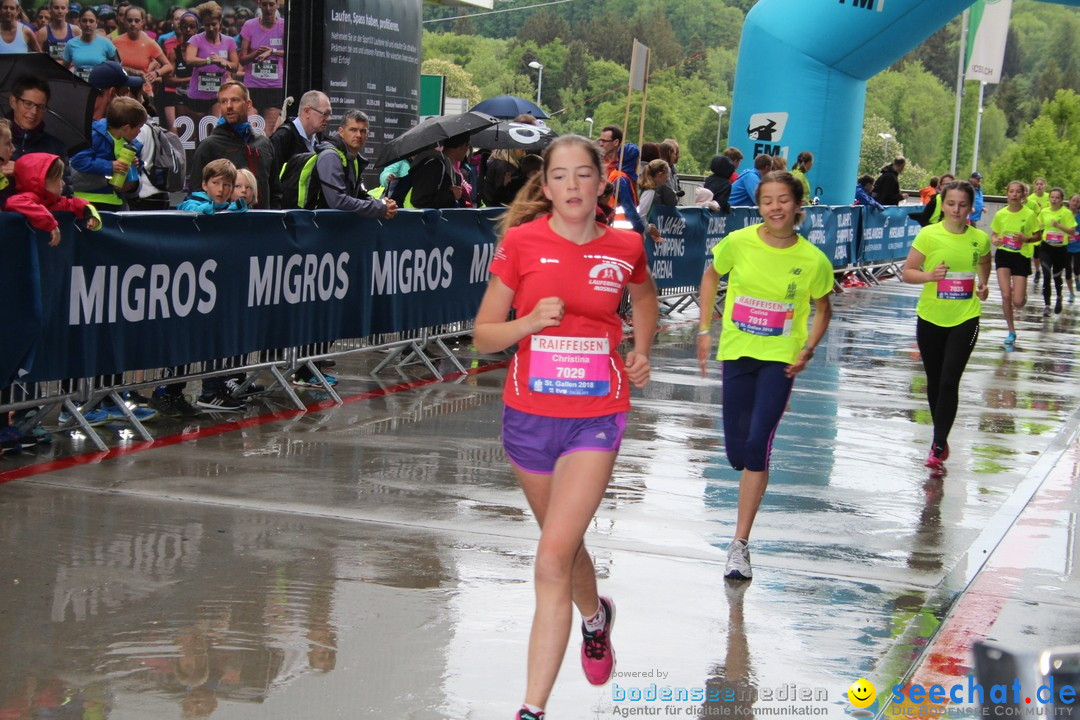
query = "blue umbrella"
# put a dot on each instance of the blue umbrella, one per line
(510, 106)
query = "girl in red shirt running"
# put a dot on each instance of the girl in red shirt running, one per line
(567, 389)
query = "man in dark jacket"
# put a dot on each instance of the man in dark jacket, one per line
(719, 183)
(435, 182)
(887, 185)
(304, 133)
(234, 139)
(340, 169)
(29, 103)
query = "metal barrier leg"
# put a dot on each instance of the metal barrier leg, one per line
(450, 355)
(390, 357)
(280, 379)
(138, 426)
(74, 412)
(418, 350)
(322, 381)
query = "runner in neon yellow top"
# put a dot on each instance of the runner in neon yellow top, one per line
(773, 275)
(768, 295)
(958, 258)
(1072, 266)
(1013, 232)
(1036, 202)
(1057, 225)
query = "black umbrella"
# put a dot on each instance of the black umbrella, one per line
(71, 105)
(510, 106)
(432, 132)
(514, 136)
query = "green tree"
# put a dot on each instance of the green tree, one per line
(1047, 146)
(1011, 96)
(875, 151)
(712, 20)
(544, 26)
(653, 29)
(608, 37)
(458, 82)
(938, 54)
(916, 103)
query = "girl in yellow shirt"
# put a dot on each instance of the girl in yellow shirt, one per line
(951, 260)
(1057, 228)
(1014, 231)
(774, 275)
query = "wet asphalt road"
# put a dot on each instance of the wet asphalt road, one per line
(373, 560)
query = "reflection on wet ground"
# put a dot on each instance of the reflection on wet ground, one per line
(374, 559)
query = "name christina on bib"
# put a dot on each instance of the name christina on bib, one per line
(570, 365)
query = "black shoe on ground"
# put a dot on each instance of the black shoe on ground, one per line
(220, 401)
(173, 405)
(1057, 306)
(236, 388)
(137, 398)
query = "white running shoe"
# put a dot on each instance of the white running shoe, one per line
(738, 561)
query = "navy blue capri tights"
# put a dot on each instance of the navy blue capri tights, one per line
(756, 393)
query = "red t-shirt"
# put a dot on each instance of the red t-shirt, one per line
(571, 370)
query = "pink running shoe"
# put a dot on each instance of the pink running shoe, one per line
(597, 654)
(936, 459)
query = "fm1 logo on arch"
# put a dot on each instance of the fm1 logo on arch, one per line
(767, 129)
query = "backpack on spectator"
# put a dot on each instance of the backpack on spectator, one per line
(300, 186)
(167, 168)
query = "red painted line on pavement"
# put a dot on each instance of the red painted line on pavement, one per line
(950, 654)
(218, 429)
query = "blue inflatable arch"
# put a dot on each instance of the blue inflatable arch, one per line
(800, 83)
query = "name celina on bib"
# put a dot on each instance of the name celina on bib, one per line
(956, 286)
(762, 317)
(570, 365)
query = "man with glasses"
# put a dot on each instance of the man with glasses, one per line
(610, 141)
(304, 133)
(29, 104)
(236, 140)
(624, 178)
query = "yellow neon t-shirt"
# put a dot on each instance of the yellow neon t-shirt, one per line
(1038, 203)
(768, 295)
(1008, 223)
(1051, 235)
(949, 302)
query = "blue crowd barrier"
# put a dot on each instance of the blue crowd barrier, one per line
(157, 290)
(848, 235)
(887, 234)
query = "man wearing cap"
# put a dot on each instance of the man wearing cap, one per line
(112, 81)
(236, 140)
(29, 104)
(107, 21)
(977, 207)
